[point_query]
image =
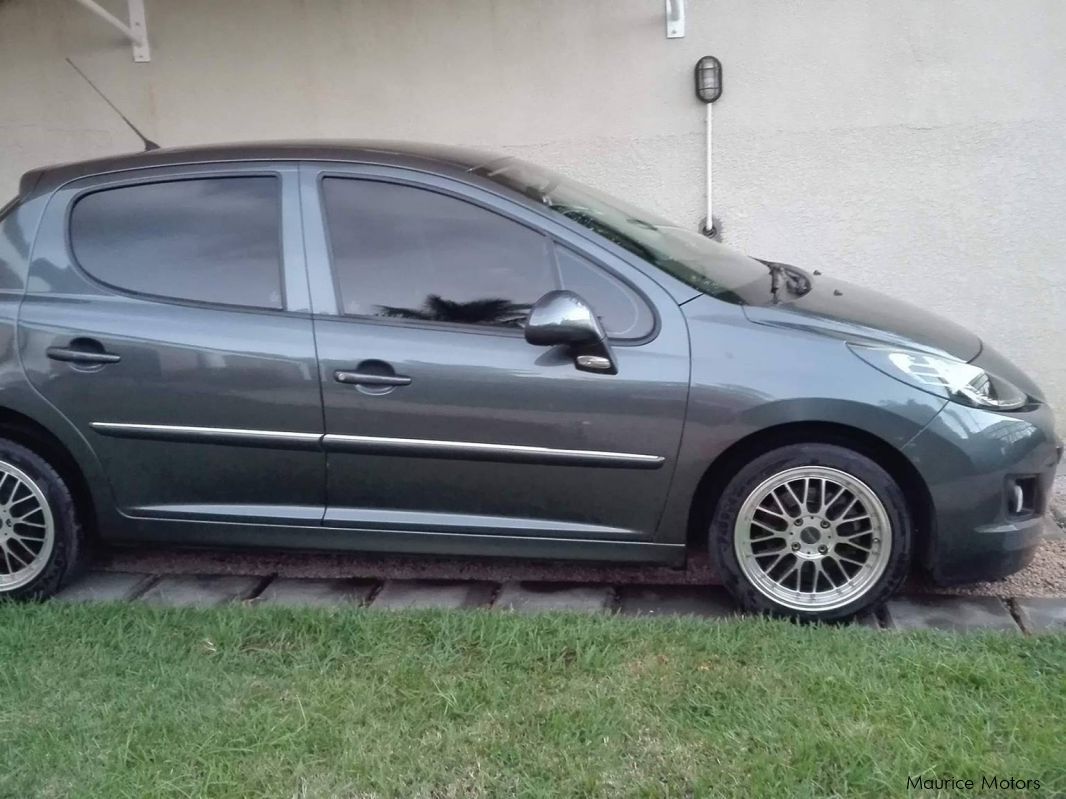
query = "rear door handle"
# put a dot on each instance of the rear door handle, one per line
(76, 355)
(366, 379)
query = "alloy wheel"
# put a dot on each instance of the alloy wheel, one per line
(813, 538)
(27, 530)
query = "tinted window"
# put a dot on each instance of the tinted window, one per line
(410, 253)
(621, 311)
(215, 240)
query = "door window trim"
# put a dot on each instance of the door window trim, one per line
(455, 191)
(290, 268)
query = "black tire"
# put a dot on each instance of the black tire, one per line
(68, 544)
(765, 466)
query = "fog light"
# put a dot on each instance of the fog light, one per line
(1021, 496)
(1017, 500)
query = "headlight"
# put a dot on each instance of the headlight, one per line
(945, 377)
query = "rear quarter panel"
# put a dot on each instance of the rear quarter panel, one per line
(18, 232)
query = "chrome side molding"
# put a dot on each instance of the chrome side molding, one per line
(470, 450)
(377, 445)
(210, 435)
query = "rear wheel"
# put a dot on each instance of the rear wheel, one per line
(812, 531)
(40, 539)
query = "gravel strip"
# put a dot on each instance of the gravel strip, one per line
(1044, 577)
(1058, 499)
(382, 567)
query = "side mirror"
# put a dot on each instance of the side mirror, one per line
(562, 318)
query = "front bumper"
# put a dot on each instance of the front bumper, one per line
(970, 460)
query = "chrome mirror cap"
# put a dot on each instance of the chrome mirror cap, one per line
(563, 318)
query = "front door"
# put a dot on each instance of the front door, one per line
(440, 417)
(172, 328)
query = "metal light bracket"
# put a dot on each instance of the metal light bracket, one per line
(136, 31)
(675, 19)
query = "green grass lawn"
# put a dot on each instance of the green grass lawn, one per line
(131, 701)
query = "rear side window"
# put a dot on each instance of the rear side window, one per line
(410, 253)
(215, 240)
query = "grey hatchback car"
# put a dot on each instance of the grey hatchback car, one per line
(417, 349)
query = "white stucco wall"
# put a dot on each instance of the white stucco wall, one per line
(916, 146)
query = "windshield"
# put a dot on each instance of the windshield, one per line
(692, 258)
(6, 208)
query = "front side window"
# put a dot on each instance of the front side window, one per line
(402, 252)
(622, 312)
(214, 240)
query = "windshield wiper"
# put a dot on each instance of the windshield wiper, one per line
(794, 279)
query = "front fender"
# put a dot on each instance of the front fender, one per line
(747, 379)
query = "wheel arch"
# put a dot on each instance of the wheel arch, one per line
(721, 470)
(35, 436)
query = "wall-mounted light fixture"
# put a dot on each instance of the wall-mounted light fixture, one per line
(708, 74)
(708, 79)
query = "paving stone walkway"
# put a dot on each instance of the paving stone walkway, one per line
(1013, 616)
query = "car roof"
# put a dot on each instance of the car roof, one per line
(393, 153)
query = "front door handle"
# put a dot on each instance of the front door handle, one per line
(82, 351)
(367, 379)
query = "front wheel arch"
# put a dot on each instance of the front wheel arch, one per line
(743, 451)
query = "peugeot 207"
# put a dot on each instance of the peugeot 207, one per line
(415, 349)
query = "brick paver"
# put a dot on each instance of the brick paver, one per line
(675, 600)
(539, 597)
(949, 613)
(300, 593)
(199, 591)
(1042, 615)
(432, 594)
(104, 587)
(932, 612)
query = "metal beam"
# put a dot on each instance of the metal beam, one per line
(136, 30)
(675, 19)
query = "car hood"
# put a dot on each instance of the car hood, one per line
(841, 309)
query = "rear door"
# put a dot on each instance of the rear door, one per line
(167, 317)
(452, 422)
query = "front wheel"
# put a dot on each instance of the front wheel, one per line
(813, 532)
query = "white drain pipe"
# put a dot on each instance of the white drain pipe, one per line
(709, 224)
